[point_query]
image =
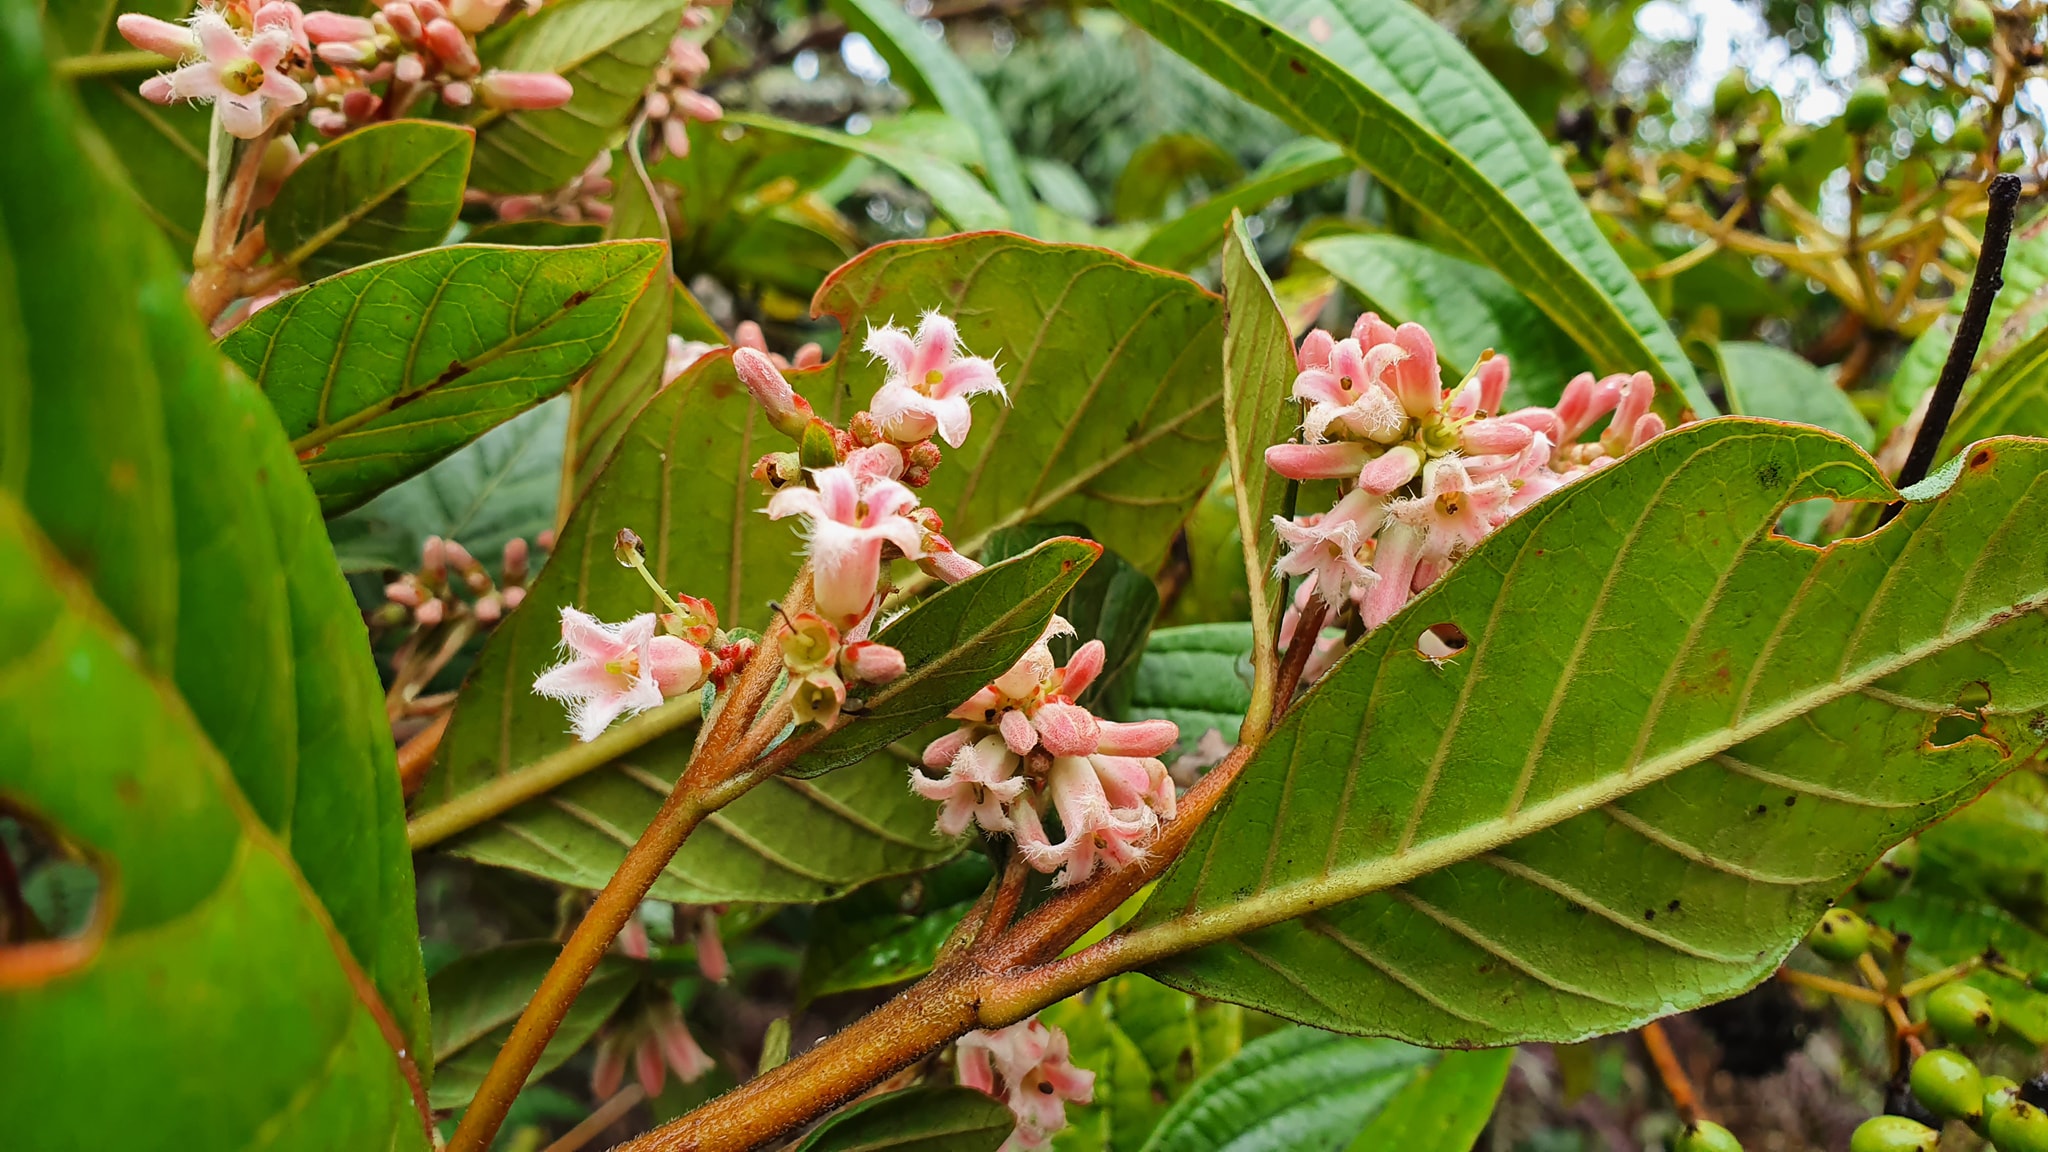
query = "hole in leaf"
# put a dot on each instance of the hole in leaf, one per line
(1441, 642)
(53, 910)
(1954, 728)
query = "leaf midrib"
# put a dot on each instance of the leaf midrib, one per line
(320, 239)
(1302, 897)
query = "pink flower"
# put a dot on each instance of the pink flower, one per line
(928, 383)
(711, 958)
(658, 1043)
(871, 663)
(1454, 512)
(618, 669)
(1335, 461)
(1347, 393)
(1029, 1067)
(522, 90)
(1329, 547)
(241, 77)
(846, 522)
(979, 786)
(1098, 832)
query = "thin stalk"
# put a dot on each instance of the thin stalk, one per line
(1307, 630)
(1962, 353)
(1676, 1083)
(110, 64)
(433, 825)
(607, 1114)
(1831, 986)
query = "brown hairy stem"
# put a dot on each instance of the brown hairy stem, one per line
(987, 986)
(726, 763)
(1306, 631)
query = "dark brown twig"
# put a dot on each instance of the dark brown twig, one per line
(1307, 630)
(2004, 196)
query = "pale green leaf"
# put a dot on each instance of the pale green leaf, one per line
(1572, 825)
(1467, 307)
(382, 370)
(1295, 166)
(1258, 412)
(1296, 1090)
(383, 190)
(954, 191)
(1445, 1108)
(1411, 105)
(1199, 676)
(1766, 380)
(923, 1119)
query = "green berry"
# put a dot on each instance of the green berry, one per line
(1972, 22)
(1841, 936)
(1999, 1095)
(1962, 1014)
(1706, 1136)
(1948, 1083)
(1888, 877)
(1771, 170)
(2019, 1128)
(1868, 105)
(1731, 93)
(1795, 141)
(1894, 1134)
(1969, 137)
(1725, 154)
(2012, 161)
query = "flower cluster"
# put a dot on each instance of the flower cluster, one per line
(658, 1042)
(1028, 1067)
(586, 197)
(256, 62)
(1425, 472)
(672, 99)
(429, 596)
(1025, 745)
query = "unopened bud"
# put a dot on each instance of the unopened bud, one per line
(711, 948)
(513, 596)
(506, 90)
(457, 94)
(489, 609)
(871, 663)
(434, 559)
(404, 592)
(864, 429)
(924, 454)
(329, 122)
(326, 27)
(359, 104)
(747, 334)
(916, 476)
(627, 548)
(404, 21)
(347, 53)
(429, 10)
(809, 354)
(448, 42)
(515, 560)
(171, 41)
(430, 614)
(788, 413)
(546, 540)
(696, 105)
(687, 57)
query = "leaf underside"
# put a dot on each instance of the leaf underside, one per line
(1672, 738)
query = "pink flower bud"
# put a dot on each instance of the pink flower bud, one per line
(448, 42)
(710, 950)
(359, 104)
(1066, 729)
(675, 136)
(1017, 731)
(687, 57)
(677, 665)
(1138, 738)
(160, 90)
(633, 938)
(410, 68)
(546, 540)
(347, 53)
(609, 1072)
(1314, 351)
(518, 207)
(1370, 331)
(1395, 467)
(1493, 383)
(475, 15)
(1418, 382)
(404, 592)
(696, 105)
(458, 556)
(810, 355)
(1082, 669)
(515, 560)
(429, 10)
(329, 122)
(323, 27)
(1647, 429)
(1496, 437)
(748, 335)
(489, 609)
(680, 1049)
(430, 614)
(524, 90)
(513, 596)
(788, 413)
(173, 41)
(939, 753)
(1337, 461)
(1464, 403)
(1636, 393)
(434, 559)
(872, 663)
(948, 566)
(404, 21)
(657, 105)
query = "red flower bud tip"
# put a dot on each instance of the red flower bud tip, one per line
(1082, 668)
(457, 94)
(430, 614)
(171, 41)
(872, 663)
(509, 90)
(513, 596)
(788, 413)
(326, 27)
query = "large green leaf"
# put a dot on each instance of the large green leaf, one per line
(1147, 1045)
(189, 689)
(954, 642)
(381, 371)
(607, 49)
(1766, 380)
(1258, 412)
(1406, 99)
(1114, 377)
(1671, 738)
(160, 152)
(384, 190)
(478, 998)
(1445, 1108)
(786, 842)
(2025, 272)
(1293, 167)
(1296, 1090)
(954, 191)
(926, 1119)
(1467, 307)
(502, 485)
(733, 187)
(924, 62)
(2010, 398)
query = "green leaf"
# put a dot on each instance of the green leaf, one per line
(1114, 379)
(603, 403)
(1295, 166)
(1411, 105)
(1215, 588)
(1114, 603)
(1445, 1108)
(159, 151)
(1162, 167)
(1258, 412)
(502, 485)
(743, 209)
(384, 190)
(1199, 676)
(189, 690)
(1124, 1109)
(925, 1119)
(535, 233)
(927, 63)
(954, 191)
(2026, 270)
(607, 49)
(954, 642)
(1574, 825)
(1297, 1090)
(1467, 307)
(459, 338)
(1766, 380)
(899, 948)
(2011, 397)
(478, 998)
